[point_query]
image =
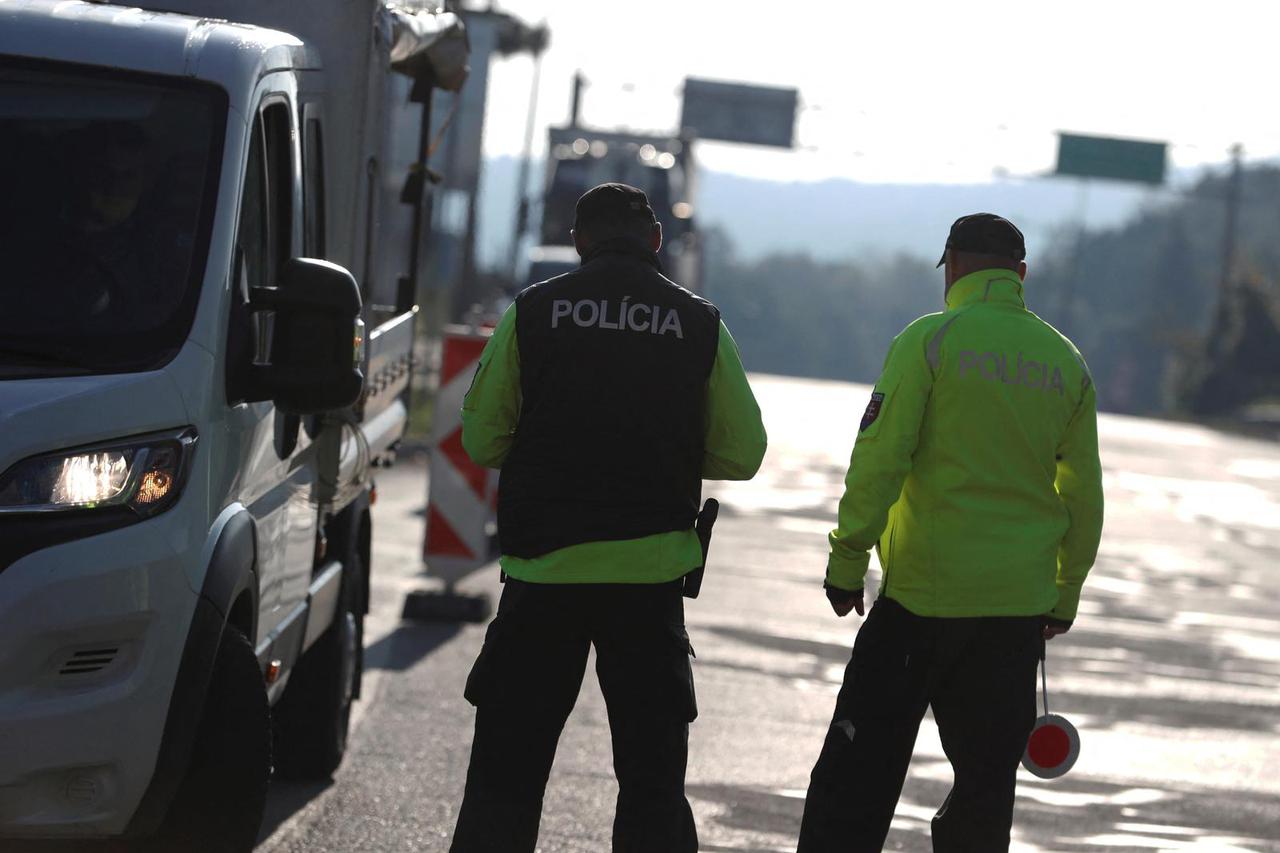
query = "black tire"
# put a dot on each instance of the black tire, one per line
(313, 717)
(219, 805)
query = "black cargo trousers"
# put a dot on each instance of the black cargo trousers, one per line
(979, 675)
(525, 683)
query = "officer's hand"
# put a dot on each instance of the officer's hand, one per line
(1053, 627)
(843, 600)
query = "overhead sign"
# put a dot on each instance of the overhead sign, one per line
(735, 112)
(1111, 158)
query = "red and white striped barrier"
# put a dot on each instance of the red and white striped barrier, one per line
(460, 494)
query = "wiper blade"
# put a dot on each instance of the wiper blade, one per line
(30, 357)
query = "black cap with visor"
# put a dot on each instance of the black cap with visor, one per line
(613, 206)
(985, 234)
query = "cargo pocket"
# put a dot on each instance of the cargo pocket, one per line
(887, 677)
(482, 680)
(682, 661)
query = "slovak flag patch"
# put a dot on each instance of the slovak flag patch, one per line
(873, 410)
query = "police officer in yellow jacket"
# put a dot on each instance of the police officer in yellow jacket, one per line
(976, 476)
(606, 396)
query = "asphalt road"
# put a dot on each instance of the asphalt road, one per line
(1171, 672)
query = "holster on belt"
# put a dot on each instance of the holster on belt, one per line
(706, 521)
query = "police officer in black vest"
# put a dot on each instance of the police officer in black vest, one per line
(605, 396)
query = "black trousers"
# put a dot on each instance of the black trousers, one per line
(979, 675)
(525, 683)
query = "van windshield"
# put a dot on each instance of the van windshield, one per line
(109, 183)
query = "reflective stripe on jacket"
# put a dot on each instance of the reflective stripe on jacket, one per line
(976, 471)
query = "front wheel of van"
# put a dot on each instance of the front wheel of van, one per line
(220, 803)
(314, 715)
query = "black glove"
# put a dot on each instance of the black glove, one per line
(1053, 626)
(844, 600)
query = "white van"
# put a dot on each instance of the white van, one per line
(189, 406)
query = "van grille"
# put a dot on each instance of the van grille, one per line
(88, 660)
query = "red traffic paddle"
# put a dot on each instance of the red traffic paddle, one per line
(1054, 744)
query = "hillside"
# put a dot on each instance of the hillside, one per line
(816, 279)
(840, 219)
(1141, 300)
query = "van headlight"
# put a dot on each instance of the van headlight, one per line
(145, 474)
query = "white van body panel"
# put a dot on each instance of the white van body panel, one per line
(98, 733)
(131, 591)
(78, 750)
(39, 416)
(134, 589)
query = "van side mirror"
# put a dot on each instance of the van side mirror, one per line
(316, 345)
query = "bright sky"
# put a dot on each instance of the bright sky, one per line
(913, 90)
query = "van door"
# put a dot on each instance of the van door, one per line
(276, 473)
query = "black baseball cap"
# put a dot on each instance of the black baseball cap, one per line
(613, 204)
(985, 234)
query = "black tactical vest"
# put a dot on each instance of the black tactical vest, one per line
(614, 361)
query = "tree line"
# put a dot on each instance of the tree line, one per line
(1143, 302)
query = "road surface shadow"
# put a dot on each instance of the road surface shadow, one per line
(1064, 815)
(398, 651)
(11, 845)
(285, 799)
(408, 644)
(1173, 656)
(833, 652)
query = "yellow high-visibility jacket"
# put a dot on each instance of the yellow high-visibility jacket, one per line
(976, 471)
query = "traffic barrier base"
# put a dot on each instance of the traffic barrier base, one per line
(446, 605)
